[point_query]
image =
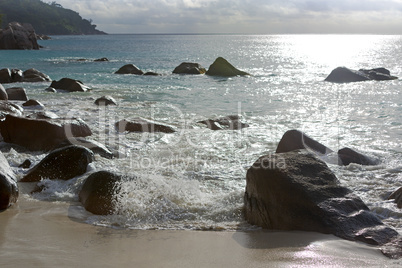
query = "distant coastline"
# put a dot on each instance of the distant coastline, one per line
(46, 18)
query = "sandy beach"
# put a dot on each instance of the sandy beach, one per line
(47, 234)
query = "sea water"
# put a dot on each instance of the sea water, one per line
(195, 178)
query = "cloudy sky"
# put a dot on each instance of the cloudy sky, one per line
(242, 16)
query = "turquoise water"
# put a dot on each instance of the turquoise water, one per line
(195, 178)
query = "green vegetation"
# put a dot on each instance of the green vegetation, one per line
(46, 18)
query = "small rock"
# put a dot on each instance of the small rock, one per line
(143, 125)
(26, 164)
(129, 69)
(232, 122)
(32, 102)
(102, 59)
(189, 68)
(105, 100)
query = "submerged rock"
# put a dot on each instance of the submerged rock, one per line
(222, 67)
(18, 36)
(297, 191)
(41, 134)
(98, 193)
(129, 69)
(143, 125)
(70, 85)
(189, 68)
(61, 164)
(8, 184)
(346, 75)
(397, 196)
(232, 122)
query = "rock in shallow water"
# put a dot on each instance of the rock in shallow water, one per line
(143, 125)
(232, 122)
(297, 191)
(98, 193)
(8, 184)
(129, 69)
(61, 164)
(189, 68)
(222, 67)
(41, 134)
(397, 196)
(70, 85)
(346, 75)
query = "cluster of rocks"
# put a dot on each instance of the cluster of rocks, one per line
(16, 75)
(220, 67)
(346, 75)
(293, 189)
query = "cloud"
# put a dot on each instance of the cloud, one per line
(242, 16)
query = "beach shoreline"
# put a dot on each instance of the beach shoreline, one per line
(46, 234)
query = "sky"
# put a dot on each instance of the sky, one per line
(242, 16)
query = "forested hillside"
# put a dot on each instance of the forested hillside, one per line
(46, 18)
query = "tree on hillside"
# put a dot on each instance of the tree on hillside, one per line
(46, 18)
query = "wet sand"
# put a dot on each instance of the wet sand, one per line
(46, 234)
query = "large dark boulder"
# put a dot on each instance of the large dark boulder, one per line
(98, 193)
(41, 134)
(70, 85)
(33, 75)
(232, 122)
(17, 93)
(3, 93)
(297, 140)
(346, 75)
(129, 69)
(189, 68)
(222, 67)
(143, 125)
(18, 36)
(297, 191)
(347, 156)
(8, 184)
(397, 196)
(61, 164)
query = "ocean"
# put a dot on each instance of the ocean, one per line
(194, 179)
